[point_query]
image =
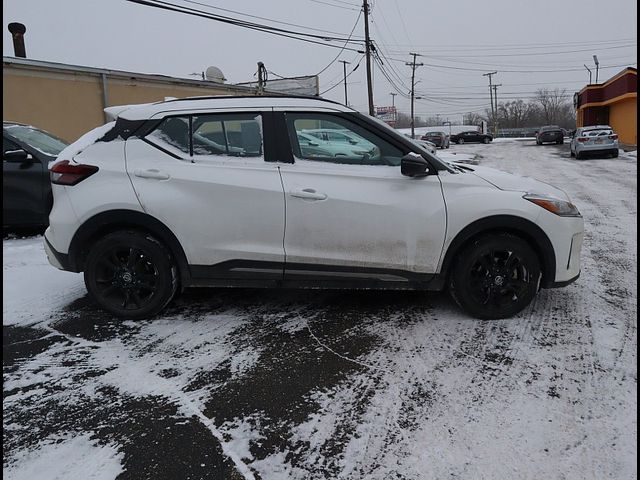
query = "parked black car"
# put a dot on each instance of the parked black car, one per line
(26, 188)
(439, 139)
(550, 133)
(471, 136)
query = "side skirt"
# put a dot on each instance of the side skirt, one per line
(258, 274)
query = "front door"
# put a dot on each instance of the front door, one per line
(357, 215)
(205, 177)
(22, 187)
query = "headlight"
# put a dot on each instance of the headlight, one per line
(554, 205)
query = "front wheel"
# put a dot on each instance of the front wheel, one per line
(486, 140)
(461, 141)
(130, 274)
(495, 277)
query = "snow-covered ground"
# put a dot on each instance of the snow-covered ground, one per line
(351, 385)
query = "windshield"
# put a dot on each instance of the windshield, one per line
(37, 139)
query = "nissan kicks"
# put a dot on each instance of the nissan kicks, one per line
(218, 191)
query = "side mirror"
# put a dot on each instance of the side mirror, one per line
(16, 156)
(413, 165)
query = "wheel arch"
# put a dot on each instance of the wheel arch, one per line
(518, 226)
(112, 220)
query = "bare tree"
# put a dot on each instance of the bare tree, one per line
(552, 104)
(472, 118)
(515, 114)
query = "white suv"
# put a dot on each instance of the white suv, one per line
(217, 191)
(596, 139)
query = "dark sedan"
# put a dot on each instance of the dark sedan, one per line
(471, 137)
(550, 134)
(26, 188)
(439, 139)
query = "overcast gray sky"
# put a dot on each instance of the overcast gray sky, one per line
(528, 43)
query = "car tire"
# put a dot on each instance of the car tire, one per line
(130, 274)
(496, 276)
(485, 140)
(578, 155)
(461, 141)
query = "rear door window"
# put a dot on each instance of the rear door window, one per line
(210, 135)
(172, 135)
(229, 135)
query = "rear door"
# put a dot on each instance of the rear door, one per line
(357, 217)
(206, 178)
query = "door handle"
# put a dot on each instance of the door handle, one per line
(151, 173)
(308, 194)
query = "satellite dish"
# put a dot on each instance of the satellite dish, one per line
(214, 74)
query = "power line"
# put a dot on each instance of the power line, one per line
(348, 75)
(345, 44)
(511, 71)
(337, 6)
(312, 38)
(258, 17)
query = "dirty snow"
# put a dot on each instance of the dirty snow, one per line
(73, 458)
(358, 385)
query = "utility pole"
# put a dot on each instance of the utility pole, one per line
(490, 74)
(393, 107)
(262, 77)
(344, 68)
(367, 41)
(413, 66)
(495, 97)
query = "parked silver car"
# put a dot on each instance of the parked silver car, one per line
(596, 140)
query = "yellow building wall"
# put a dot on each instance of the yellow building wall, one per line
(623, 119)
(65, 105)
(68, 103)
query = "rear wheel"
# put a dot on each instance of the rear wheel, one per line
(486, 140)
(495, 277)
(578, 155)
(461, 141)
(130, 274)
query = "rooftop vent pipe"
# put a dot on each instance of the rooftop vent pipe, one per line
(17, 31)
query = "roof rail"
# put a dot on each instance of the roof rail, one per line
(213, 97)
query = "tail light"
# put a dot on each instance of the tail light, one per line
(65, 173)
(613, 137)
(583, 139)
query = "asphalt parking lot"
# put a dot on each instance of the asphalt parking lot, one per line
(326, 384)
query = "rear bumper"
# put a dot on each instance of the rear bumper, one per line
(595, 149)
(57, 259)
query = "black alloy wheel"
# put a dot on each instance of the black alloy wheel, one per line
(130, 274)
(496, 276)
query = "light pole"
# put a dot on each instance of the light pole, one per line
(595, 59)
(589, 73)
